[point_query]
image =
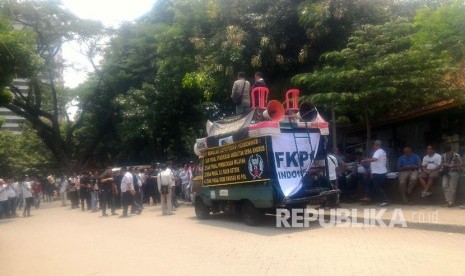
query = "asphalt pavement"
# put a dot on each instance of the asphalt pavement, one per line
(59, 241)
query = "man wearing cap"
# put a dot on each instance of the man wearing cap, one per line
(378, 171)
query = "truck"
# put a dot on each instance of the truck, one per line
(256, 163)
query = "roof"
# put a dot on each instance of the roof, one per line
(408, 115)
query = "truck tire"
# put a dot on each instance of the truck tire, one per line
(251, 215)
(201, 211)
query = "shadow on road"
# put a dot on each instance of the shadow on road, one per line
(5, 221)
(266, 228)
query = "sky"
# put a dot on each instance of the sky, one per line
(110, 13)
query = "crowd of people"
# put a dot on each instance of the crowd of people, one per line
(412, 171)
(109, 190)
(23, 194)
(165, 184)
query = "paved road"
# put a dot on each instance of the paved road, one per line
(60, 241)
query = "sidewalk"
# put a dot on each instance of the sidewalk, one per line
(423, 217)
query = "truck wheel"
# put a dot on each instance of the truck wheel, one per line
(251, 215)
(201, 211)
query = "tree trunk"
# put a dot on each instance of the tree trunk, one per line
(368, 126)
(333, 128)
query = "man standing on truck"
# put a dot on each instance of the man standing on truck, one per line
(259, 82)
(241, 94)
(166, 184)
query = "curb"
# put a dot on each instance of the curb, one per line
(437, 227)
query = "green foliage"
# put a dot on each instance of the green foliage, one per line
(442, 28)
(33, 51)
(381, 71)
(17, 57)
(163, 75)
(24, 154)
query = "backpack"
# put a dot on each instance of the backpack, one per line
(164, 187)
(237, 98)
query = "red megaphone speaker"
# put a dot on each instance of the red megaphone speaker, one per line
(274, 111)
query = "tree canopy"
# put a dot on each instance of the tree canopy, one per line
(386, 69)
(162, 76)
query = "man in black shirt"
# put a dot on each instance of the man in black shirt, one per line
(84, 190)
(259, 82)
(107, 189)
(151, 186)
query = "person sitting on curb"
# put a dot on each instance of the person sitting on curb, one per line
(408, 165)
(430, 170)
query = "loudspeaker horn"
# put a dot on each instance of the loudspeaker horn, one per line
(274, 111)
(197, 151)
(307, 112)
(208, 126)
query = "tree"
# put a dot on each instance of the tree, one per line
(17, 57)
(443, 29)
(378, 74)
(24, 154)
(47, 26)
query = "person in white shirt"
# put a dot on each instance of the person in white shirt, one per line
(12, 197)
(332, 171)
(63, 189)
(127, 191)
(27, 195)
(3, 200)
(165, 180)
(378, 171)
(184, 174)
(430, 170)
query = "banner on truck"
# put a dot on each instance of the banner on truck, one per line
(238, 163)
(292, 161)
